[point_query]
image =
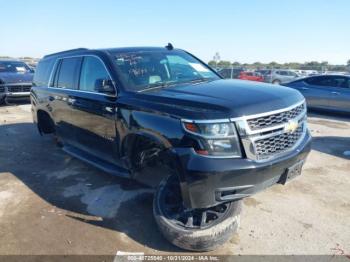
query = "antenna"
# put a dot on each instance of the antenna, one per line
(169, 46)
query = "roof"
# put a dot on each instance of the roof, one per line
(132, 49)
(109, 50)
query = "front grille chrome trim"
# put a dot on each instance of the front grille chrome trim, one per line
(268, 113)
(250, 137)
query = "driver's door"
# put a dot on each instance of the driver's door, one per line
(95, 112)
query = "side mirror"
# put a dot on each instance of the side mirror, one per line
(105, 86)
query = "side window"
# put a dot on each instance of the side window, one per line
(42, 73)
(92, 73)
(339, 81)
(317, 81)
(328, 81)
(68, 73)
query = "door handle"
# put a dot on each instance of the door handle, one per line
(335, 93)
(304, 88)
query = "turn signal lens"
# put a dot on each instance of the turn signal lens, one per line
(191, 127)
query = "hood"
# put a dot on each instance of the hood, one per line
(219, 99)
(11, 78)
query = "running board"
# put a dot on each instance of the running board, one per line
(96, 162)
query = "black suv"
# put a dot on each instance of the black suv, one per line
(15, 80)
(163, 117)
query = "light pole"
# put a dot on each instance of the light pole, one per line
(216, 58)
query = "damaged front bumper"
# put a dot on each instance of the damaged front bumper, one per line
(207, 182)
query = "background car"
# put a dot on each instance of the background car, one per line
(252, 76)
(15, 80)
(331, 92)
(230, 73)
(280, 76)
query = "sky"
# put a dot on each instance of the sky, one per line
(246, 31)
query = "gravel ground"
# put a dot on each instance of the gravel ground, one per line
(51, 203)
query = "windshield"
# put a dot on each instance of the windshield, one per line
(140, 71)
(13, 67)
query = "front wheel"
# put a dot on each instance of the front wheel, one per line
(193, 229)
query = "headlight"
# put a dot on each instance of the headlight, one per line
(216, 139)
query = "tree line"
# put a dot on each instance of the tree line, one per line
(313, 65)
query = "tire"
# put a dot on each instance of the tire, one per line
(195, 238)
(276, 82)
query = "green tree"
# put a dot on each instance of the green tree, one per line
(236, 64)
(224, 64)
(274, 65)
(348, 63)
(212, 63)
(257, 65)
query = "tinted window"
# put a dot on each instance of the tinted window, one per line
(68, 71)
(92, 72)
(42, 73)
(330, 81)
(283, 73)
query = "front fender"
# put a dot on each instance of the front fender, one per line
(162, 129)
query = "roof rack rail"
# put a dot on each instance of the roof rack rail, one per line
(67, 51)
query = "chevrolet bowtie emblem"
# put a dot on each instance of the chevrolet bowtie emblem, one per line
(291, 126)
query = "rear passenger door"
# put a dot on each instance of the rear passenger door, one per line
(95, 111)
(340, 93)
(316, 91)
(63, 88)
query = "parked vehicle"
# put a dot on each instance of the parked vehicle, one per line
(15, 80)
(331, 92)
(279, 76)
(252, 76)
(230, 73)
(213, 142)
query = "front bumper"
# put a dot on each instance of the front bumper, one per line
(17, 94)
(15, 90)
(206, 182)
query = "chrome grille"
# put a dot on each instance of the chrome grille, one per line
(270, 135)
(19, 88)
(275, 119)
(277, 144)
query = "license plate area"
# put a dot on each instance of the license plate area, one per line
(292, 172)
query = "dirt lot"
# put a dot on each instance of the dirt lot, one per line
(51, 203)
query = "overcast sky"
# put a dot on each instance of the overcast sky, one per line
(244, 31)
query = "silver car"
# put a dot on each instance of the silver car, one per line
(331, 92)
(279, 76)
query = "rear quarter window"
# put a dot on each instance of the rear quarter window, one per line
(43, 72)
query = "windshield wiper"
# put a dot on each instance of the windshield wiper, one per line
(157, 85)
(196, 80)
(169, 83)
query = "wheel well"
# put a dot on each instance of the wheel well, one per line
(134, 145)
(147, 159)
(45, 123)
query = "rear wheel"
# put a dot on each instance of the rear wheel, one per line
(193, 229)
